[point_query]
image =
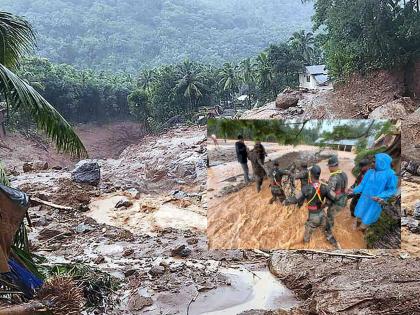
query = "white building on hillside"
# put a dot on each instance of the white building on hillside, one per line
(315, 77)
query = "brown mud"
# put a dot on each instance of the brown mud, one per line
(245, 219)
(340, 285)
(154, 280)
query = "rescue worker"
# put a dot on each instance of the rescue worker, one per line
(259, 148)
(277, 191)
(316, 194)
(303, 174)
(337, 186)
(378, 185)
(364, 166)
(242, 156)
(257, 167)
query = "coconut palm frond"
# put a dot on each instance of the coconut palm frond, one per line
(16, 39)
(20, 94)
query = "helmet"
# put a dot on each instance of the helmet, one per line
(315, 171)
(333, 161)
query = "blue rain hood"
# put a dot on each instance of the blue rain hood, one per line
(380, 182)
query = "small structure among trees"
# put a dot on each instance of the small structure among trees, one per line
(315, 77)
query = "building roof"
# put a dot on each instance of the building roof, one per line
(316, 69)
(351, 142)
(321, 78)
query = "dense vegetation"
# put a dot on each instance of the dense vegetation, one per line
(351, 36)
(364, 35)
(158, 94)
(128, 35)
(280, 131)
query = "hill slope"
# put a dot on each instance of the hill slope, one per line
(128, 34)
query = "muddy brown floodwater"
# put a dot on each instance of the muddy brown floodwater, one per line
(410, 242)
(245, 220)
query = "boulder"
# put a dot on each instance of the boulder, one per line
(87, 172)
(123, 203)
(396, 109)
(157, 271)
(285, 101)
(181, 251)
(138, 301)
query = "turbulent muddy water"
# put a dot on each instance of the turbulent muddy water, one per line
(248, 290)
(410, 242)
(244, 219)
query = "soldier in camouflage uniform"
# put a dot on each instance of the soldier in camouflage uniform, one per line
(303, 175)
(316, 194)
(276, 177)
(337, 186)
(257, 167)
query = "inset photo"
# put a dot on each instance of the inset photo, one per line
(315, 184)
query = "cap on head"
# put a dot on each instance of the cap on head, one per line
(363, 163)
(333, 161)
(315, 171)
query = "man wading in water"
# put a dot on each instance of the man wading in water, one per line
(257, 166)
(277, 191)
(337, 186)
(316, 194)
(242, 155)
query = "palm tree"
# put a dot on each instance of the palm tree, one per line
(248, 77)
(264, 72)
(303, 43)
(16, 39)
(146, 79)
(191, 83)
(229, 80)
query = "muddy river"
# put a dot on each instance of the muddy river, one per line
(244, 219)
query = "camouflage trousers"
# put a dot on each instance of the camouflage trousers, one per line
(332, 211)
(277, 194)
(315, 220)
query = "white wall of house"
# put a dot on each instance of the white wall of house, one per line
(307, 81)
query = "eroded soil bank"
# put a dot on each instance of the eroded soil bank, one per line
(340, 285)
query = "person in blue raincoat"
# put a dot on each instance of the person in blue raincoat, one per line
(378, 184)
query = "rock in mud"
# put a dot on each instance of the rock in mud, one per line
(87, 172)
(99, 260)
(35, 166)
(137, 302)
(175, 267)
(181, 251)
(123, 203)
(27, 167)
(285, 101)
(134, 193)
(157, 271)
(417, 211)
(83, 228)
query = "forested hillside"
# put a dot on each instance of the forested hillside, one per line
(128, 35)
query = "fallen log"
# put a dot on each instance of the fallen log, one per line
(335, 254)
(32, 308)
(37, 202)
